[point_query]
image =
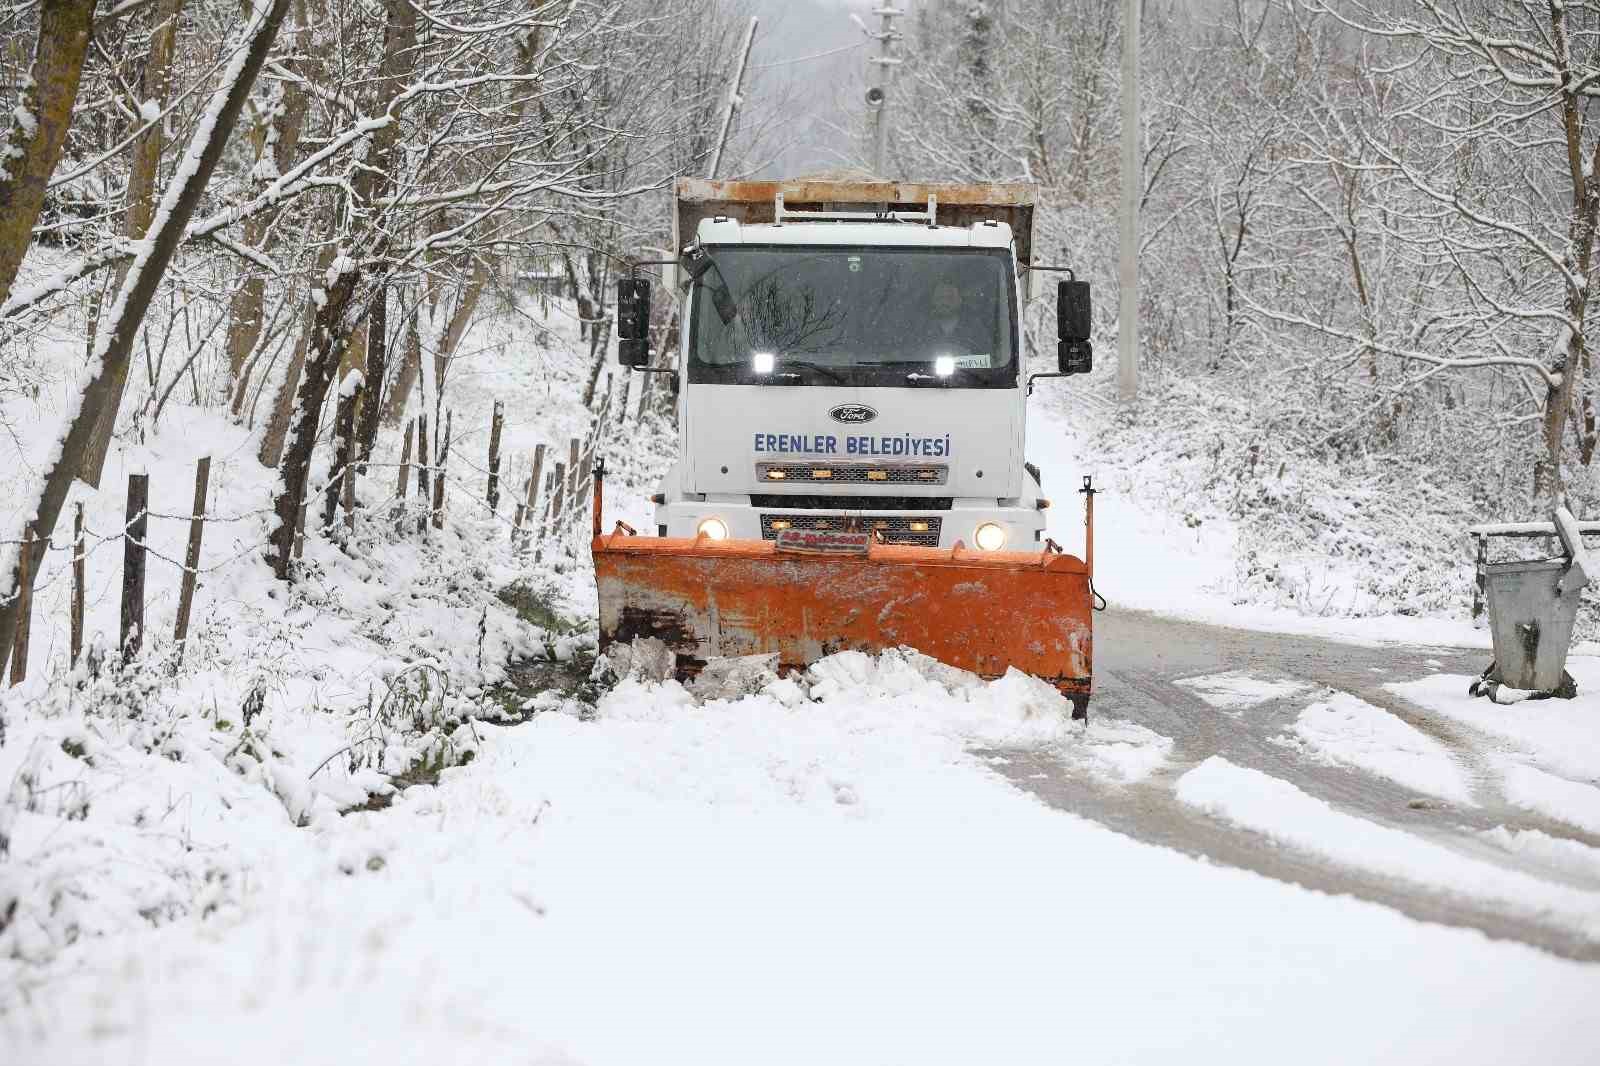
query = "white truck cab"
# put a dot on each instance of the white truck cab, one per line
(851, 367)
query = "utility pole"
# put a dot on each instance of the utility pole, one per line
(885, 61)
(1132, 183)
(735, 97)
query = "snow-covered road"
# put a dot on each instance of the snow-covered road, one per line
(852, 877)
(1317, 762)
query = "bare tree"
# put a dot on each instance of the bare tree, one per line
(116, 342)
(32, 143)
(1497, 162)
(141, 198)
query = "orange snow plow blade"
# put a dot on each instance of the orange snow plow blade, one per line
(980, 611)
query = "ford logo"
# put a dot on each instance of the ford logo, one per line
(851, 413)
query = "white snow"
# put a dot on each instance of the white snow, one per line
(1239, 689)
(1573, 802)
(1275, 808)
(1575, 859)
(25, 121)
(749, 881)
(1151, 560)
(1562, 736)
(1347, 731)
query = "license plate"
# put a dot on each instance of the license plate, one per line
(825, 541)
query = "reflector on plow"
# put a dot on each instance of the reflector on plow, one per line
(980, 611)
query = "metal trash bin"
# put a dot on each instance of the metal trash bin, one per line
(1530, 621)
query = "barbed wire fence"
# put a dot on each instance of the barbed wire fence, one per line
(548, 521)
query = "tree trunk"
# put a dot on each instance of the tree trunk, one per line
(277, 429)
(328, 337)
(460, 318)
(377, 366)
(1548, 484)
(143, 172)
(410, 364)
(277, 139)
(336, 309)
(344, 438)
(116, 344)
(32, 144)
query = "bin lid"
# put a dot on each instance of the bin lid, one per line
(1526, 566)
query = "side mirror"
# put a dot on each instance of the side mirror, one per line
(694, 261)
(1072, 311)
(633, 352)
(633, 309)
(633, 322)
(1075, 357)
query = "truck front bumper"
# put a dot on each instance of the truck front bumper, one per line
(930, 528)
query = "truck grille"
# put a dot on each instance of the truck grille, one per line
(895, 529)
(813, 502)
(853, 473)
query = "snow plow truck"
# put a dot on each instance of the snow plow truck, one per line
(851, 398)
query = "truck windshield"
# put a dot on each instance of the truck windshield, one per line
(860, 316)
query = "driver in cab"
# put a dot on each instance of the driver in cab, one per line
(951, 332)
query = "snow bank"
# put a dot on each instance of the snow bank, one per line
(1346, 731)
(1264, 804)
(1175, 550)
(1565, 856)
(1572, 802)
(141, 795)
(1561, 736)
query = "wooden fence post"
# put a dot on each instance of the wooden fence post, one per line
(558, 498)
(495, 425)
(191, 556)
(401, 487)
(533, 491)
(133, 560)
(571, 488)
(25, 565)
(583, 479)
(78, 584)
(438, 473)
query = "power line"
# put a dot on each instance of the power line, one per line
(807, 59)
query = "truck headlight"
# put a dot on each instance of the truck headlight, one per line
(990, 537)
(714, 529)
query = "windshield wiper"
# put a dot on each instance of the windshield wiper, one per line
(915, 378)
(805, 364)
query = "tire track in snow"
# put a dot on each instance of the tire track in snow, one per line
(1140, 658)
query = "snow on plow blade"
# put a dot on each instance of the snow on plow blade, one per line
(980, 611)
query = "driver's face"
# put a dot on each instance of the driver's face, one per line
(946, 299)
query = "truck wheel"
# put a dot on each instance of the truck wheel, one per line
(1080, 708)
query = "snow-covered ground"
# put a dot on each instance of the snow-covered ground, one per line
(1154, 558)
(784, 882)
(829, 869)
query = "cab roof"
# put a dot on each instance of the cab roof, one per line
(954, 207)
(989, 234)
